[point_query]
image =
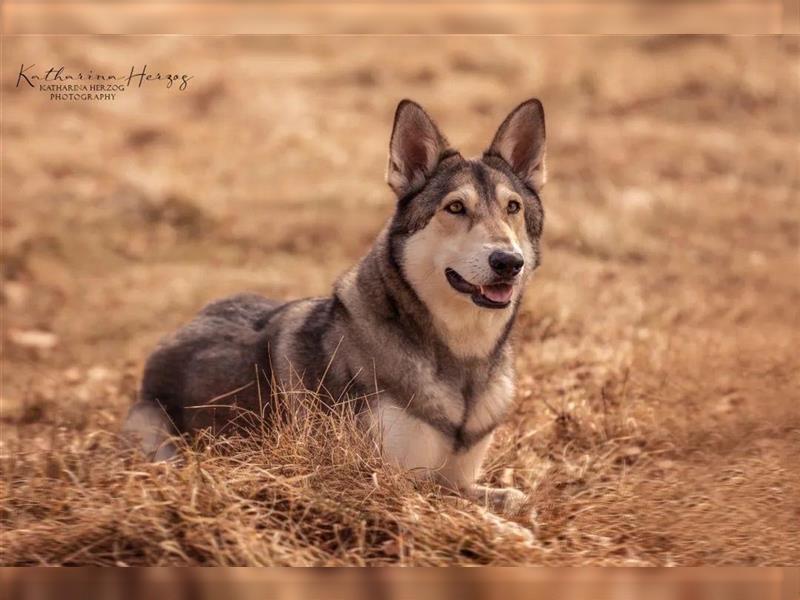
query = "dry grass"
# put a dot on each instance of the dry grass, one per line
(658, 417)
(310, 492)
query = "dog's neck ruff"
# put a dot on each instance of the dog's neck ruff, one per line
(474, 332)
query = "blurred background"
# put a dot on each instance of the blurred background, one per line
(398, 16)
(658, 418)
(484, 584)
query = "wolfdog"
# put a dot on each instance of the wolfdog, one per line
(417, 333)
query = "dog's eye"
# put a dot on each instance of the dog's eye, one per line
(513, 207)
(455, 208)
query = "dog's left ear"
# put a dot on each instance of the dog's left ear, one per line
(415, 148)
(520, 141)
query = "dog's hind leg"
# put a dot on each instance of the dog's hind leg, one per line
(148, 428)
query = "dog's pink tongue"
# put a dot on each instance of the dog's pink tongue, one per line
(500, 293)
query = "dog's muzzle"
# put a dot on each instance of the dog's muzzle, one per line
(497, 294)
(506, 264)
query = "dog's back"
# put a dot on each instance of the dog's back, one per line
(210, 362)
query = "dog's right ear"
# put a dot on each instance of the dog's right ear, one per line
(414, 149)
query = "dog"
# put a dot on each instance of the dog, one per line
(417, 333)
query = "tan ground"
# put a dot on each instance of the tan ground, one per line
(658, 417)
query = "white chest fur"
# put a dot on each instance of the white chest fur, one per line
(424, 450)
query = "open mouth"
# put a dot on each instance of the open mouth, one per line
(493, 295)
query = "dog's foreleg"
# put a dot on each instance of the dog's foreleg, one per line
(464, 468)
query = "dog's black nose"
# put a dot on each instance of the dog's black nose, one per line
(506, 264)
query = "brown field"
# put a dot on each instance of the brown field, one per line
(658, 415)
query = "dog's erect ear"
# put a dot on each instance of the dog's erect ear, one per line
(520, 141)
(414, 149)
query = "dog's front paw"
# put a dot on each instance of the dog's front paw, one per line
(506, 501)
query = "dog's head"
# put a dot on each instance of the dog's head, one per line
(466, 232)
